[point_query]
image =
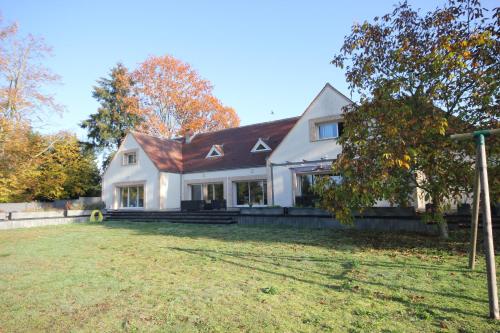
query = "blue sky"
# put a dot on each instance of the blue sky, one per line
(261, 56)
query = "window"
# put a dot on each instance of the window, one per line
(132, 196)
(260, 146)
(328, 130)
(196, 192)
(213, 191)
(325, 128)
(130, 158)
(215, 151)
(304, 194)
(252, 193)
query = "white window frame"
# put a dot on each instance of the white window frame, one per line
(125, 156)
(204, 190)
(128, 186)
(318, 132)
(263, 183)
(214, 150)
(316, 122)
(260, 142)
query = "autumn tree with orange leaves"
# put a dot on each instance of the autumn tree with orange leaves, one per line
(174, 99)
(421, 77)
(32, 165)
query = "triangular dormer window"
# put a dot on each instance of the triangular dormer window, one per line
(215, 151)
(260, 146)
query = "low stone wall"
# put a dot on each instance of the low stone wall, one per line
(75, 212)
(36, 215)
(375, 224)
(29, 223)
(37, 219)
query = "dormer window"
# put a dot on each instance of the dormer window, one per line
(130, 158)
(215, 151)
(260, 146)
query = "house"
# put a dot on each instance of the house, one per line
(265, 164)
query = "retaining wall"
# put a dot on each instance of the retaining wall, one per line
(369, 223)
(37, 219)
(14, 224)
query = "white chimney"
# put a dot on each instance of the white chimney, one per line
(189, 135)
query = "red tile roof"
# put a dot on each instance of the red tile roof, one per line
(180, 157)
(164, 153)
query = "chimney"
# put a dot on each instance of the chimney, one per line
(189, 135)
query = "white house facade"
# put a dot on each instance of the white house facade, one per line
(273, 163)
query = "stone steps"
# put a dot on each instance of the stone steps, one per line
(202, 217)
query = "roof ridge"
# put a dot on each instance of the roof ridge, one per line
(155, 136)
(177, 139)
(255, 124)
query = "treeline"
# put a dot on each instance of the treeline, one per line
(163, 96)
(34, 166)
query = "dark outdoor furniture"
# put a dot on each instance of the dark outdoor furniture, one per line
(192, 205)
(197, 205)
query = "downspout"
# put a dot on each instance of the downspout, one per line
(182, 189)
(272, 183)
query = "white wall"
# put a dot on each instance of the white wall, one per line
(170, 191)
(143, 172)
(227, 177)
(297, 146)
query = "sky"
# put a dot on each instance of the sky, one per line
(266, 59)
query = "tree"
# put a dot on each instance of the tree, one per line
(22, 76)
(118, 112)
(17, 159)
(66, 170)
(174, 99)
(420, 77)
(45, 167)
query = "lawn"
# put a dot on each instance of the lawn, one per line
(132, 277)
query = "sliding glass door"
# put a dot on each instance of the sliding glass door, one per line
(209, 192)
(251, 193)
(132, 196)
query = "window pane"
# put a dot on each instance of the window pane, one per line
(124, 196)
(132, 196)
(242, 193)
(264, 189)
(210, 192)
(306, 184)
(141, 196)
(218, 192)
(256, 193)
(328, 130)
(196, 192)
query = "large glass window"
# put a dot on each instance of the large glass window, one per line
(306, 184)
(251, 193)
(328, 130)
(213, 191)
(305, 195)
(132, 196)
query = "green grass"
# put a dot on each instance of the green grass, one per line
(191, 278)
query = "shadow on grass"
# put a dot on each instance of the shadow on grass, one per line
(344, 241)
(329, 238)
(252, 264)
